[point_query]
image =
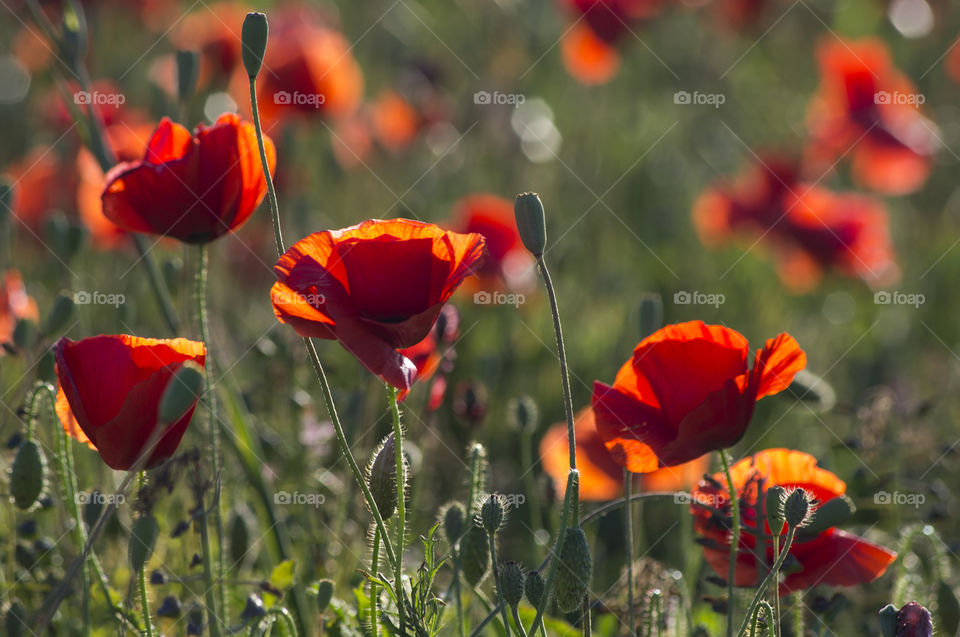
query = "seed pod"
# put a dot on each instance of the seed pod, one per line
(522, 413)
(382, 477)
(512, 580)
(796, 508)
(573, 571)
(453, 517)
(531, 224)
(492, 513)
(143, 538)
(27, 475)
(533, 588)
(474, 555)
(324, 594)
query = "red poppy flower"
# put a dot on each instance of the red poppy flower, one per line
(214, 32)
(508, 263)
(377, 287)
(688, 391)
(112, 386)
(832, 557)
(41, 185)
(601, 477)
(15, 304)
(866, 104)
(193, 188)
(435, 353)
(811, 228)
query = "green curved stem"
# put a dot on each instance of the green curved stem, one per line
(142, 577)
(271, 192)
(573, 483)
(734, 540)
(791, 532)
(496, 580)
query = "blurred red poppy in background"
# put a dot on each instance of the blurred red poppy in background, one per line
(213, 31)
(40, 186)
(811, 229)
(687, 391)
(866, 107)
(193, 188)
(508, 263)
(15, 305)
(828, 556)
(111, 388)
(377, 287)
(601, 477)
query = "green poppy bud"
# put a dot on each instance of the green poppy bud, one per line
(143, 538)
(324, 594)
(453, 518)
(188, 64)
(573, 571)
(512, 580)
(27, 475)
(531, 223)
(533, 588)
(474, 555)
(382, 477)
(492, 513)
(796, 508)
(253, 38)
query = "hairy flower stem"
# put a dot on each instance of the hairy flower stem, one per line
(312, 349)
(519, 624)
(374, 589)
(775, 586)
(771, 576)
(216, 598)
(734, 540)
(401, 474)
(798, 618)
(491, 537)
(755, 631)
(142, 575)
(628, 543)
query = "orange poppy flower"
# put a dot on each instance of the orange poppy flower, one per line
(588, 58)
(377, 287)
(832, 557)
(111, 388)
(866, 103)
(394, 120)
(601, 477)
(688, 391)
(508, 263)
(15, 304)
(811, 228)
(193, 188)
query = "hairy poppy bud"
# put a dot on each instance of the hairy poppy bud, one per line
(573, 571)
(60, 314)
(522, 413)
(512, 580)
(382, 477)
(27, 475)
(774, 503)
(474, 555)
(188, 64)
(913, 620)
(453, 517)
(182, 392)
(25, 334)
(492, 513)
(533, 588)
(253, 37)
(796, 508)
(530, 222)
(73, 42)
(170, 607)
(143, 538)
(324, 594)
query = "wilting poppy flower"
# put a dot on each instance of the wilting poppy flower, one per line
(869, 109)
(601, 477)
(193, 188)
(377, 287)
(811, 228)
(113, 386)
(15, 304)
(688, 390)
(508, 263)
(829, 556)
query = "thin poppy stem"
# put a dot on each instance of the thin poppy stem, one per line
(774, 585)
(401, 473)
(374, 589)
(271, 192)
(628, 542)
(312, 349)
(585, 619)
(771, 576)
(516, 620)
(755, 631)
(214, 583)
(573, 483)
(491, 538)
(799, 622)
(142, 575)
(734, 540)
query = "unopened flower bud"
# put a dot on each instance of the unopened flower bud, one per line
(188, 64)
(474, 555)
(512, 580)
(492, 513)
(531, 223)
(774, 503)
(27, 475)
(888, 621)
(60, 314)
(253, 38)
(143, 538)
(382, 477)
(453, 518)
(533, 588)
(796, 508)
(574, 570)
(182, 392)
(522, 413)
(324, 594)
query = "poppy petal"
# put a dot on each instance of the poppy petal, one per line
(777, 363)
